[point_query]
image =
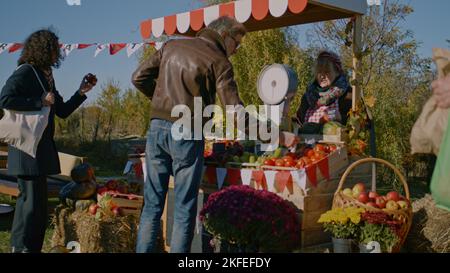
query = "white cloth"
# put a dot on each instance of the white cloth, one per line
(24, 129)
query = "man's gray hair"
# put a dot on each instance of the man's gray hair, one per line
(229, 25)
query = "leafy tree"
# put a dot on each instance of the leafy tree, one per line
(395, 78)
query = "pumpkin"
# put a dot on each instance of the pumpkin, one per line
(82, 173)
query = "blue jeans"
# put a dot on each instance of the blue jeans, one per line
(183, 159)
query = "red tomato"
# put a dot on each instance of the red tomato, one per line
(279, 163)
(300, 164)
(293, 155)
(307, 160)
(309, 153)
(288, 158)
(319, 147)
(289, 164)
(269, 162)
(332, 148)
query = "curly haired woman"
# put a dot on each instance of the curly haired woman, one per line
(23, 92)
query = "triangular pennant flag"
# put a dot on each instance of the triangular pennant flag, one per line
(67, 48)
(128, 167)
(15, 47)
(233, 176)
(100, 48)
(246, 176)
(324, 169)
(4, 47)
(158, 45)
(83, 46)
(260, 179)
(221, 174)
(299, 177)
(311, 172)
(211, 174)
(282, 179)
(270, 179)
(132, 48)
(138, 169)
(114, 48)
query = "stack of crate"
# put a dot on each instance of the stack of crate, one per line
(3, 155)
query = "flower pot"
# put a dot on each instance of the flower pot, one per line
(342, 245)
(372, 247)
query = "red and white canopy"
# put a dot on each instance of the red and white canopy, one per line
(255, 15)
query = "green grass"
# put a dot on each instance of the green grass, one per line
(6, 223)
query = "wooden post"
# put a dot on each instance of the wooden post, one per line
(357, 48)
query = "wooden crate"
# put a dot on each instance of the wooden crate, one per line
(3, 155)
(314, 236)
(128, 206)
(201, 240)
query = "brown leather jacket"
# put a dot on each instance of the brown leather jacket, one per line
(184, 69)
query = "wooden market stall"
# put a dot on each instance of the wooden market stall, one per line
(313, 198)
(266, 14)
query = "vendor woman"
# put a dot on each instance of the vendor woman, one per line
(326, 98)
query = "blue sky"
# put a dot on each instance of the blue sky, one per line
(102, 21)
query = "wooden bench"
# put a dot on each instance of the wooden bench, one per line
(9, 186)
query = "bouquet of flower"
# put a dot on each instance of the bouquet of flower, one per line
(382, 228)
(247, 217)
(342, 223)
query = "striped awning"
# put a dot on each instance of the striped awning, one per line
(255, 15)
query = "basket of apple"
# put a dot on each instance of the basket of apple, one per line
(393, 203)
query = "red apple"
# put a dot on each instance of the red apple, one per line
(93, 209)
(363, 198)
(117, 211)
(393, 195)
(402, 204)
(358, 189)
(392, 205)
(373, 195)
(381, 202)
(112, 184)
(372, 204)
(347, 192)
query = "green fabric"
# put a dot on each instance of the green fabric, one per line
(440, 183)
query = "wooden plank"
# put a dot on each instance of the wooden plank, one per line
(357, 48)
(311, 237)
(309, 219)
(9, 188)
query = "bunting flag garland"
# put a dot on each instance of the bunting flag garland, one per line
(100, 48)
(114, 48)
(4, 47)
(210, 174)
(270, 179)
(133, 47)
(15, 47)
(67, 48)
(283, 179)
(299, 177)
(233, 176)
(221, 174)
(260, 179)
(246, 176)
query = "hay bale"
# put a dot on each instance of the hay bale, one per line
(430, 230)
(108, 235)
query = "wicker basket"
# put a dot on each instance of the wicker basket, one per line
(404, 215)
